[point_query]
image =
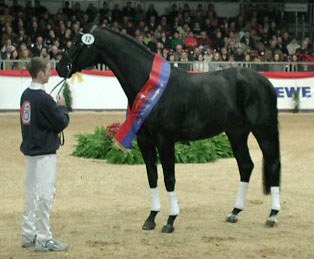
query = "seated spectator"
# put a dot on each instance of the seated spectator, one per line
(197, 28)
(78, 11)
(5, 17)
(172, 60)
(128, 10)
(139, 14)
(203, 40)
(218, 41)
(178, 52)
(293, 46)
(164, 39)
(239, 55)
(39, 9)
(184, 62)
(12, 65)
(18, 24)
(68, 44)
(224, 54)
(152, 23)
(176, 40)
(190, 41)
(151, 12)
(200, 65)
(50, 36)
(25, 55)
(67, 37)
(33, 29)
(22, 38)
(208, 55)
(67, 10)
(247, 60)
(58, 56)
(165, 24)
(248, 40)
(36, 48)
(76, 32)
(15, 8)
(44, 53)
(152, 42)
(277, 57)
(159, 48)
(8, 34)
(29, 10)
(282, 46)
(271, 49)
(305, 52)
(216, 57)
(53, 51)
(165, 53)
(293, 66)
(7, 49)
(231, 46)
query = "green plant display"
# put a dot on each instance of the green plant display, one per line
(101, 145)
(67, 94)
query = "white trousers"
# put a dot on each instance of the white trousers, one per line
(40, 187)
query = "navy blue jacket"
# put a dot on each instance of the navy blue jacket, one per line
(41, 122)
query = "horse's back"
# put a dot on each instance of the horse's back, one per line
(202, 105)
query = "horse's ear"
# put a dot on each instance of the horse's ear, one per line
(87, 28)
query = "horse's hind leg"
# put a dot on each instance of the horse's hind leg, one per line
(149, 154)
(166, 150)
(268, 140)
(238, 140)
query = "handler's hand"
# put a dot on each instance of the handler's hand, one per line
(60, 100)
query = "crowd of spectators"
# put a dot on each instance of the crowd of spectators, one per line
(182, 34)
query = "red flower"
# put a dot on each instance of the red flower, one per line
(112, 129)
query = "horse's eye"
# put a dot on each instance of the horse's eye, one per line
(69, 67)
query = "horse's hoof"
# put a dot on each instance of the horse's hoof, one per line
(271, 222)
(149, 225)
(232, 218)
(167, 229)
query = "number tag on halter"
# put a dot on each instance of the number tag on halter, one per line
(88, 39)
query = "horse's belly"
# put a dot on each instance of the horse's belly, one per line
(196, 133)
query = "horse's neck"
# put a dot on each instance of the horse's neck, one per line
(129, 61)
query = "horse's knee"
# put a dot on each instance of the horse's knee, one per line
(170, 183)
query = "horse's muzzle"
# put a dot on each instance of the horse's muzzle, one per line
(64, 70)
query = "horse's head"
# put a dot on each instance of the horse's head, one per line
(81, 55)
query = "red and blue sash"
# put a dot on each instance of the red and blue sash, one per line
(144, 102)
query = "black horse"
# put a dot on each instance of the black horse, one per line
(236, 101)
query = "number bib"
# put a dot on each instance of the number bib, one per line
(88, 39)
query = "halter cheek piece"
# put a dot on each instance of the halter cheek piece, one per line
(87, 40)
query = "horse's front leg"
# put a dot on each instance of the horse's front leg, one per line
(149, 154)
(166, 149)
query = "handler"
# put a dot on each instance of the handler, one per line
(42, 119)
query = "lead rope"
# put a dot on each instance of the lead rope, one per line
(61, 134)
(61, 138)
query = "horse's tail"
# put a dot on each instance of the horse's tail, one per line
(270, 144)
(271, 174)
(259, 104)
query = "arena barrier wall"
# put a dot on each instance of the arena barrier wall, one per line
(100, 90)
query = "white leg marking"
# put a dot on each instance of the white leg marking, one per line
(275, 198)
(173, 204)
(241, 196)
(155, 200)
